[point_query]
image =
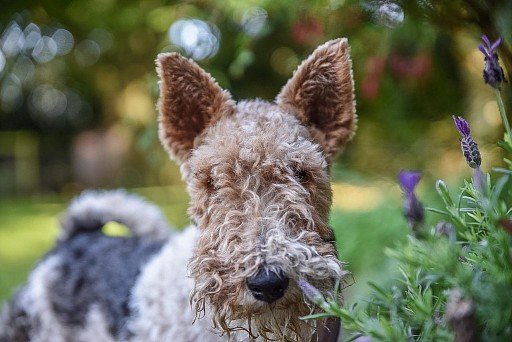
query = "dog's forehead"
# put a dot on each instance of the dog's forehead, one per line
(257, 115)
(260, 132)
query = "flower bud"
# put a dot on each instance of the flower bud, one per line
(442, 190)
(311, 292)
(493, 73)
(413, 209)
(467, 144)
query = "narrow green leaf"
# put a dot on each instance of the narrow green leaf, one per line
(317, 316)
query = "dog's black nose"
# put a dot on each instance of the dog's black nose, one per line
(267, 285)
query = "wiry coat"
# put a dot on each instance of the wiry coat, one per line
(258, 178)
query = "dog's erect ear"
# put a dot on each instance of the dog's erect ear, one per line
(190, 100)
(321, 94)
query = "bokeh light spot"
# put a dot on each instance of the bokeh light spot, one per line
(197, 38)
(254, 21)
(103, 38)
(387, 13)
(284, 60)
(44, 50)
(23, 68)
(47, 102)
(87, 52)
(32, 35)
(10, 93)
(2, 61)
(64, 40)
(12, 40)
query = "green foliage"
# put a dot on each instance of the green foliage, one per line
(455, 278)
(478, 262)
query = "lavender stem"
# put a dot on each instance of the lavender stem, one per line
(503, 115)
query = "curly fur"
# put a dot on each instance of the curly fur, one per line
(254, 211)
(258, 178)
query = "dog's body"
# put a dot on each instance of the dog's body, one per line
(257, 173)
(93, 287)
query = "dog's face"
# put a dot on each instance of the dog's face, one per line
(258, 177)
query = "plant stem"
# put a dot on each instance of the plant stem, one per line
(502, 112)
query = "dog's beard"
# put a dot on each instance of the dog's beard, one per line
(279, 321)
(221, 291)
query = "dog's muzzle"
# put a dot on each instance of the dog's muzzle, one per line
(268, 286)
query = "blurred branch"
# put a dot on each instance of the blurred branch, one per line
(458, 14)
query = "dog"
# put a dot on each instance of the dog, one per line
(258, 178)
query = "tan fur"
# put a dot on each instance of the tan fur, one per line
(190, 100)
(321, 94)
(258, 178)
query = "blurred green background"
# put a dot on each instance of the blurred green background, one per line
(78, 88)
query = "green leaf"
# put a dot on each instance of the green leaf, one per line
(437, 211)
(317, 316)
(442, 190)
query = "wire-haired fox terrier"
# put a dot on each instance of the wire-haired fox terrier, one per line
(258, 177)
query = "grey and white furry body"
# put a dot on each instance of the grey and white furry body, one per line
(93, 209)
(93, 287)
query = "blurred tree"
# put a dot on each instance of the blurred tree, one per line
(69, 66)
(490, 17)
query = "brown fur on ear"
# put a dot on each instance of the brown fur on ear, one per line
(321, 94)
(190, 101)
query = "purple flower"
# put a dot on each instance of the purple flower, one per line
(480, 181)
(467, 144)
(413, 209)
(493, 73)
(462, 125)
(408, 180)
(311, 292)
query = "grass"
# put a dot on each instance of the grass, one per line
(27, 229)
(365, 219)
(29, 226)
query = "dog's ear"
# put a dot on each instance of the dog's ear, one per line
(190, 101)
(321, 95)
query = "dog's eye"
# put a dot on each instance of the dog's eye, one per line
(301, 175)
(206, 180)
(210, 183)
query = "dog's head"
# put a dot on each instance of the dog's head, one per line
(258, 177)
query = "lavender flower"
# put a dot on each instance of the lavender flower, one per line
(480, 181)
(413, 209)
(311, 292)
(493, 73)
(468, 145)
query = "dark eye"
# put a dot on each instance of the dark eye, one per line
(211, 183)
(301, 175)
(206, 180)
